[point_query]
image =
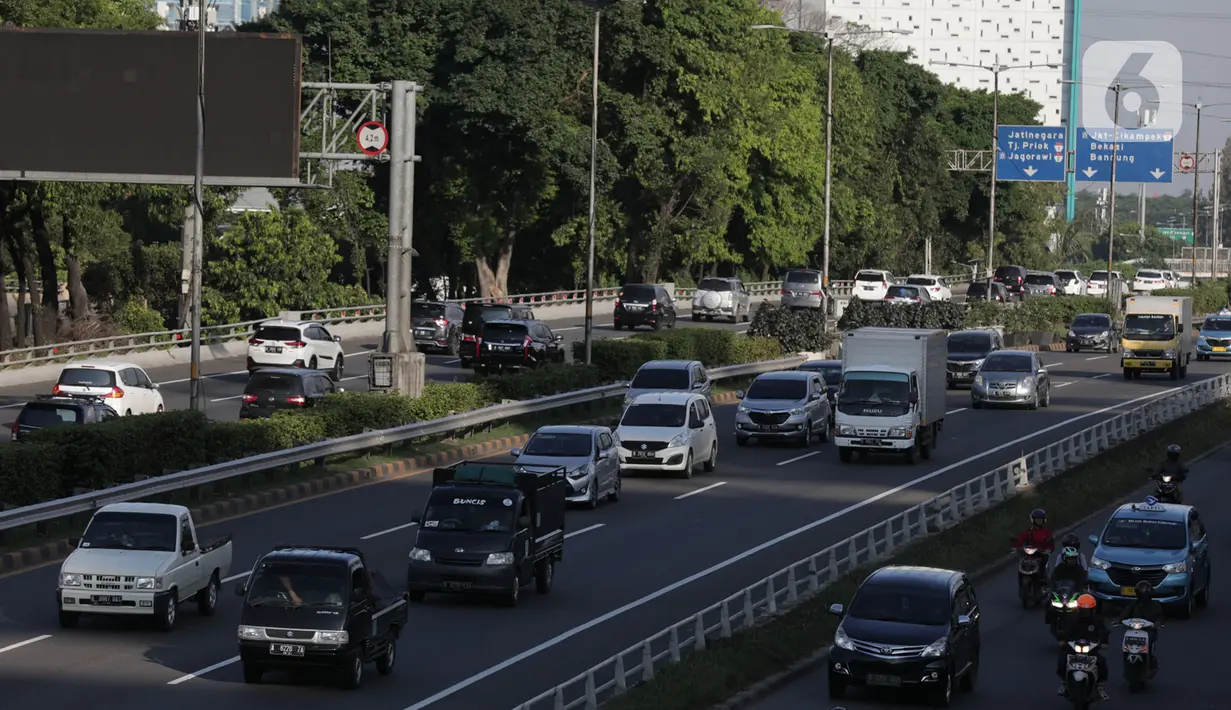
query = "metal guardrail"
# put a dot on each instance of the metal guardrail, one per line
(213, 335)
(810, 576)
(88, 502)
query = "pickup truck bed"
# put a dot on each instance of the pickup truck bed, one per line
(211, 545)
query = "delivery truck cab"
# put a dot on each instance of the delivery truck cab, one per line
(892, 397)
(1157, 336)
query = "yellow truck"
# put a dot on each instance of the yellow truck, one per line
(1157, 336)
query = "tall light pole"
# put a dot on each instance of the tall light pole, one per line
(829, 40)
(995, 69)
(1197, 179)
(598, 6)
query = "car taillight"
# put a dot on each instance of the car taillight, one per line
(248, 398)
(296, 344)
(115, 393)
(297, 399)
(468, 338)
(786, 292)
(817, 293)
(525, 349)
(654, 304)
(57, 390)
(441, 322)
(884, 285)
(917, 299)
(254, 341)
(617, 305)
(1019, 279)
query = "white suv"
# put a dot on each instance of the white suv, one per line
(668, 431)
(935, 285)
(1150, 280)
(872, 284)
(124, 386)
(279, 343)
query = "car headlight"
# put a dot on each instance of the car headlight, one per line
(1098, 563)
(1176, 568)
(844, 430)
(147, 583)
(899, 432)
(70, 580)
(841, 640)
(1072, 334)
(978, 380)
(1169, 353)
(579, 472)
(742, 409)
(251, 632)
(797, 410)
(936, 648)
(1201, 340)
(500, 558)
(419, 554)
(1025, 385)
(679, 440)
(340, 638)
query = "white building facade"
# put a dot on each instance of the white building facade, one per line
(987, 32)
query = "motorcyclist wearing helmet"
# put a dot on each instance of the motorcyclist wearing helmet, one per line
(1071, 540)
(1038, 535)
(1143, 606)
(1086, 625)
(1070, 567)
(1172, 465)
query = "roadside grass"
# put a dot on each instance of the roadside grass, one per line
(729, 666)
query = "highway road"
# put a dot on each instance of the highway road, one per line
(669, 548)
(225, 378)
(1018, 664)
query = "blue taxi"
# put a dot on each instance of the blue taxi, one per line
(1214, 338)
(1160, 543)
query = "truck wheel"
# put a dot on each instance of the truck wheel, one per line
(384, 664)
(1183, 372)
(253, 673)
(544, 574)
(1128, 374)
(912, 454)
(1175, 370)
(696, 318)
(207, 598)
(164, 618)
(69, 619)
(513, 596)
(844, 454)
(352, 675)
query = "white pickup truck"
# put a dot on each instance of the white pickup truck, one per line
(141, 559)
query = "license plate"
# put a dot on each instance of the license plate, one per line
(888, 681)
(106, 599)
(458, 585)
(1003, 393)
(869, 442)
(643, 454)
(1220, 350)
(769, 427)
(424, 332)
(507, 348)
(631, 307)
(1147, 363)
(285, 649)
(1081, 663)
(869, 288)
(1128, 591)
(272, 349)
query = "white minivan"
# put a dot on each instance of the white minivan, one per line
(671, 432)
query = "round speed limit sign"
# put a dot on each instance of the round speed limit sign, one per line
(373, 138)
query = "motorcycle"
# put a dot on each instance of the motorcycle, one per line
(1166, 490)
(1063, 603)
(1139, 662)
(1081, 674)
(1031, 575)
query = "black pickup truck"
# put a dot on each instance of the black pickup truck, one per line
(317, 608)
(489, 529)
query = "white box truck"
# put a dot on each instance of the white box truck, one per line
(892, 398)
(1157, 336)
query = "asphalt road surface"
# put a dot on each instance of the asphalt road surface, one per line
(225, 378)
(666, 550)
(1018, 663)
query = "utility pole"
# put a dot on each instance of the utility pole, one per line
(195, 396)
(1111, 198)
(927, 254)
(1196, 186)
(1145, 119)
(1216, 218)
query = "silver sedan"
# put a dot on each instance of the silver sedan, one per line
(1011, 377)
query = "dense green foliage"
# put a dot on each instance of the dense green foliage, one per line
(1032, 315)
(798, 330)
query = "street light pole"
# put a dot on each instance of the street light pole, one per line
(195, 396)
(1196, 186)
(589, 330)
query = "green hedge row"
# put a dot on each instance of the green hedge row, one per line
(799, 330)
(1208, 296)
(941, 315)
(56, 461)
(1031, 315)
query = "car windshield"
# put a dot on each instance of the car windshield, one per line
(832, 373)
(1040, 280)
(1150, 325)
(1008, 363)
(86, 377)
(902, 292)
(274, 382)
(558, 444)
(972, 343)
(298, 585)
(469, 515)
(1091, 321)
(283, 333)
(714, 285)
(1146, 534)
(670, 416)
(427, 310)
(638, 294)
(904, 606)
(870, 276)
(660, 378)
(41, 416)
(131, 531)
(804, 277)
(1217, 324)
(921, 281)
(777, 388)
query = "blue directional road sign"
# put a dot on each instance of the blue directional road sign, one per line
(1142, 155)
(1030, 153)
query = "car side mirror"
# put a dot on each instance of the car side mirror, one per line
(416, 518)
(524, 521)
(601, 456)
(154, 386)
(241, 590)
(337, 338)
(914, 398)
(698, 385)
(836, 610)
(739, 394)
(697, 423)
(558, 338)
(815, 396)
(963, 621)
(1093, 540)
(515, 452)
(74, 541)
(186, 546)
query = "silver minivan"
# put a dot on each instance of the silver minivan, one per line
(790, 405)
(801, 288)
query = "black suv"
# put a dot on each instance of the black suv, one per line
(983, 291)
(437, 326)
(50, 410)
(644, 304)
(273, 388)
(967, 351)
(1013, 278)
(517, 344)
(915, 628)
(479, 313)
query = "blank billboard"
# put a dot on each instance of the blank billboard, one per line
(125, 103)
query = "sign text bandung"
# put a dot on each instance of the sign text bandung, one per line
(1142, 155)
(1030, 153)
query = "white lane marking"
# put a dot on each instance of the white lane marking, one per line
(453, 361)
(356, 377)
(1099, 377)
(390, 530)
(12, 406)
(710, 487)
(234, 577)
(204, 671)
(227, 399)
(582, 531)
(955, 411)
(810, 454)
(1097, 357)
(27, 642)
(1064, 384)
(615, 613)
(244, 372)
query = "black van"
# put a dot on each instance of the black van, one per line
(273, 388)
(479, 313)
(51, 410)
